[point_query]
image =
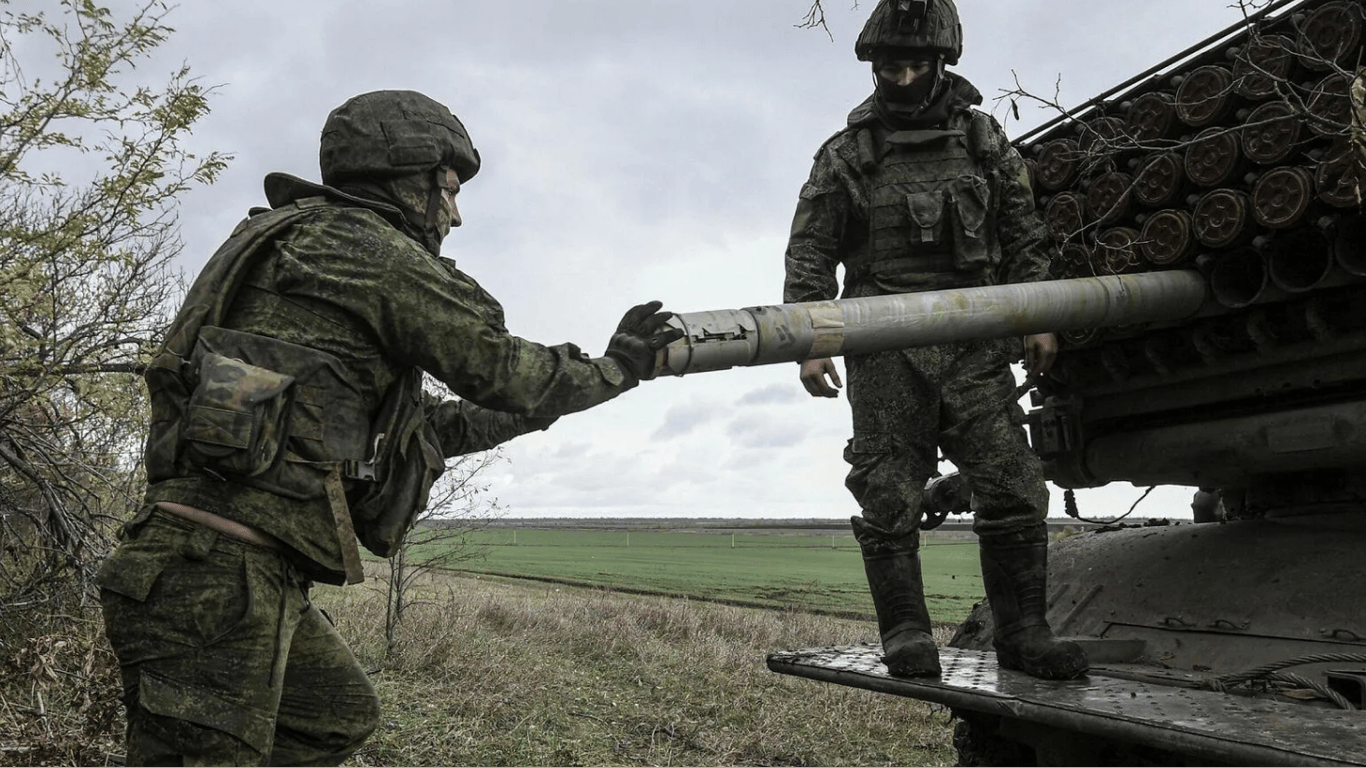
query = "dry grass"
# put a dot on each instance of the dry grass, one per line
(499, 673)
(59, 690)
(508, 673)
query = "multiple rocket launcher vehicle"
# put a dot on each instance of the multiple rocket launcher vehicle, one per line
(1211, 300)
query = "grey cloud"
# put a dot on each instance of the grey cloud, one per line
(683, 419)
(633, 150)
(773, 394)
(767, 430)
(572, 450)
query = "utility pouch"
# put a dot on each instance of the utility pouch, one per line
(168, 394)
(405, 462)
(926, 210)
(238, 415)
(970, 196)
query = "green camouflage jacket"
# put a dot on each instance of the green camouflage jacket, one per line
(347, 282)
(831, 224)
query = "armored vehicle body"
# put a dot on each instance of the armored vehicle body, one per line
(1219, 196)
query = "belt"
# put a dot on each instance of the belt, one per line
(230, 528)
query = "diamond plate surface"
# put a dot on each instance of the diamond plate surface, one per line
(1193, 722)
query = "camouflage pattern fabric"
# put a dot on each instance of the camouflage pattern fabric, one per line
(411, 195)
(347, 282)
(908, 404)
(224, 659)
(888, 27)
(830, 226)
(382, 134)
(236, 417)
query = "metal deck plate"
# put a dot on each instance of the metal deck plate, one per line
(1198, 723)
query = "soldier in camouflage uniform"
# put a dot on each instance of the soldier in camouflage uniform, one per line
(288, 418)
(923, 192)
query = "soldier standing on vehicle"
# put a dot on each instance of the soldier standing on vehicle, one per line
(922, 192)
(288, 419)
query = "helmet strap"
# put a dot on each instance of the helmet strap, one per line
(432, 229)
(434, 196)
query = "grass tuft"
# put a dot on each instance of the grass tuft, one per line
(59, 691)
(492, 672)
(496, 672)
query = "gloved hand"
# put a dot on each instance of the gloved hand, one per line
(641, 333)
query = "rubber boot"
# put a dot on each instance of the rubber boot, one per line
(1015, 573)
(902, 619)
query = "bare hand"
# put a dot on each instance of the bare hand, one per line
(814, 373)
(1041, 350)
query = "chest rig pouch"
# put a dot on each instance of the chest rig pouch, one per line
(270, 414)
(929, 207)
(282, 417)
(406, 462)
(237, 418)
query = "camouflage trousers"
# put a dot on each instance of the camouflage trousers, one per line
(224, 659)
(909, 404)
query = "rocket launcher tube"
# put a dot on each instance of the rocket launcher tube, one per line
(781, 333)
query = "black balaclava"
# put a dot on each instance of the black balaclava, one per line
(898, 105)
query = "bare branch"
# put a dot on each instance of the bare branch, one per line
(86, 277)
(815, 17)
(457, 508)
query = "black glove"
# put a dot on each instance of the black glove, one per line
(641, 333)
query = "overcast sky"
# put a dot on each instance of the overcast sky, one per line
(633, 150)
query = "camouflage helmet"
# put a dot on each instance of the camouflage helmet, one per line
(384, 134)
(920, 25)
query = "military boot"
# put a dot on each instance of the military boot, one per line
(899, 597)
(1015, 573)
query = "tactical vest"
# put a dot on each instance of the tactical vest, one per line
(285, 418)
(931, 206)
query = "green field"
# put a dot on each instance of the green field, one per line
(797, 570)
